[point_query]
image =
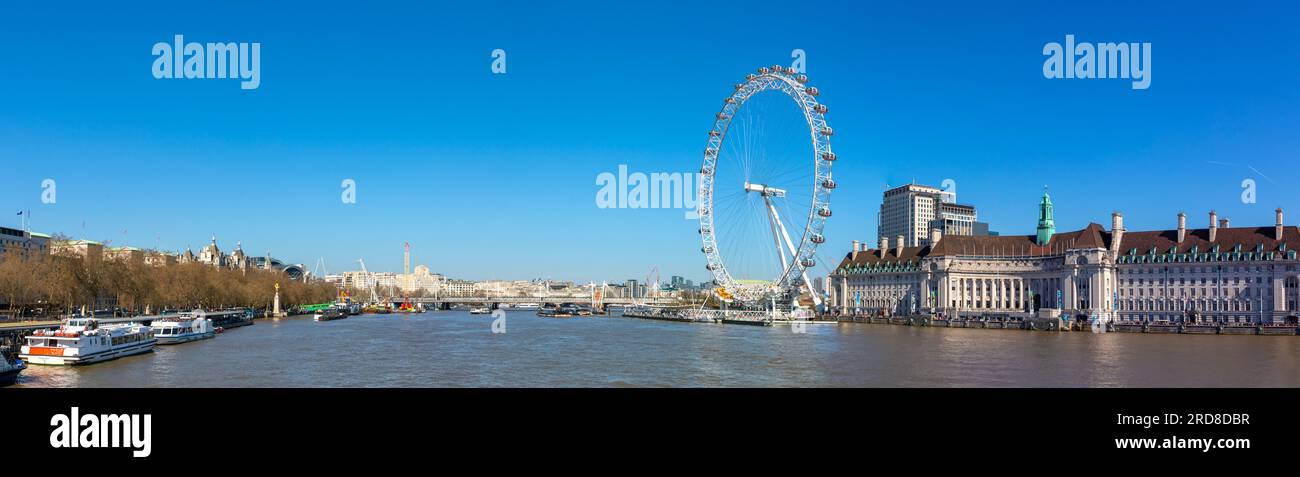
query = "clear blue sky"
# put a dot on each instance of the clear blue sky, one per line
(493, 175)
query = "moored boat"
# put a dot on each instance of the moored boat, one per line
(9, 370)
(378, 308)
(225, 319)
(183, 330)
(480, 310)
(84, 341)
(566, 310)
(330, 314)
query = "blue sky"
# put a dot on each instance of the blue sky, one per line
(492, 176)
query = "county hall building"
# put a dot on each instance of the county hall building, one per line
(1217, 274)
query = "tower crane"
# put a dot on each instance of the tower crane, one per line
(374, 293)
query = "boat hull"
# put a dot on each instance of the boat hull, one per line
(132, 349)
(10, 376)
(186, 338)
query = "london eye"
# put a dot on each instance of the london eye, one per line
(764, 193)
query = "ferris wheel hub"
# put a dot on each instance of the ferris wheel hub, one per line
(766, 191)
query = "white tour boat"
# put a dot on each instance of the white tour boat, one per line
(183, 330)
(480, 310)
(84, 341)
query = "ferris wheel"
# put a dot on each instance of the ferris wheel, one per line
(764, 192)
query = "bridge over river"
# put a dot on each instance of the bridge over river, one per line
(494, 302)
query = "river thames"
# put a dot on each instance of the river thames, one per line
(454, 348)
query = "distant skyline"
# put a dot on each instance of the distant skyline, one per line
(494, 176)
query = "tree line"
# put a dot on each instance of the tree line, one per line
(54, 284)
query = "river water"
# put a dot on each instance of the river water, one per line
(454, 348)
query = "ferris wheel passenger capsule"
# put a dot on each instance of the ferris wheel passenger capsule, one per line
(802, 79)
(821, 108)
(828, 156)
(751, 76)
(722, 115)
(818, 239)
(824, 212)
(812, 91)
(715, 133)
(808, 263)
(827, 131)
(763, 70)
(706, 249)
(711, 267)
(829, 184)
(778, 68)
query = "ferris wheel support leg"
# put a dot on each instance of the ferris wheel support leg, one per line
(774, 221)
(817, 301)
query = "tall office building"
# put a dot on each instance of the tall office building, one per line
(911, 210)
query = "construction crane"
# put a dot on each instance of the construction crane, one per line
(406, 279)
(406, 258)
(374, 293)
(652, 290)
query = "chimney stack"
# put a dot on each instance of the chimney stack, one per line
(1277, 229)
(884, 246)
(1223, 223)
(1116, 231)
(898, 249)
(935, 235)
(856, 247)
(1182, 227)
(1214, 225)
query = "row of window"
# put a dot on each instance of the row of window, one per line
(1193, 281)
(1230, 269)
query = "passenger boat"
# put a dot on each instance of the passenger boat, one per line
(183, 330)
(9, 371)
(330, 314)
(480, 310)
(224, 319)
(562, 311)
(84, 341)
